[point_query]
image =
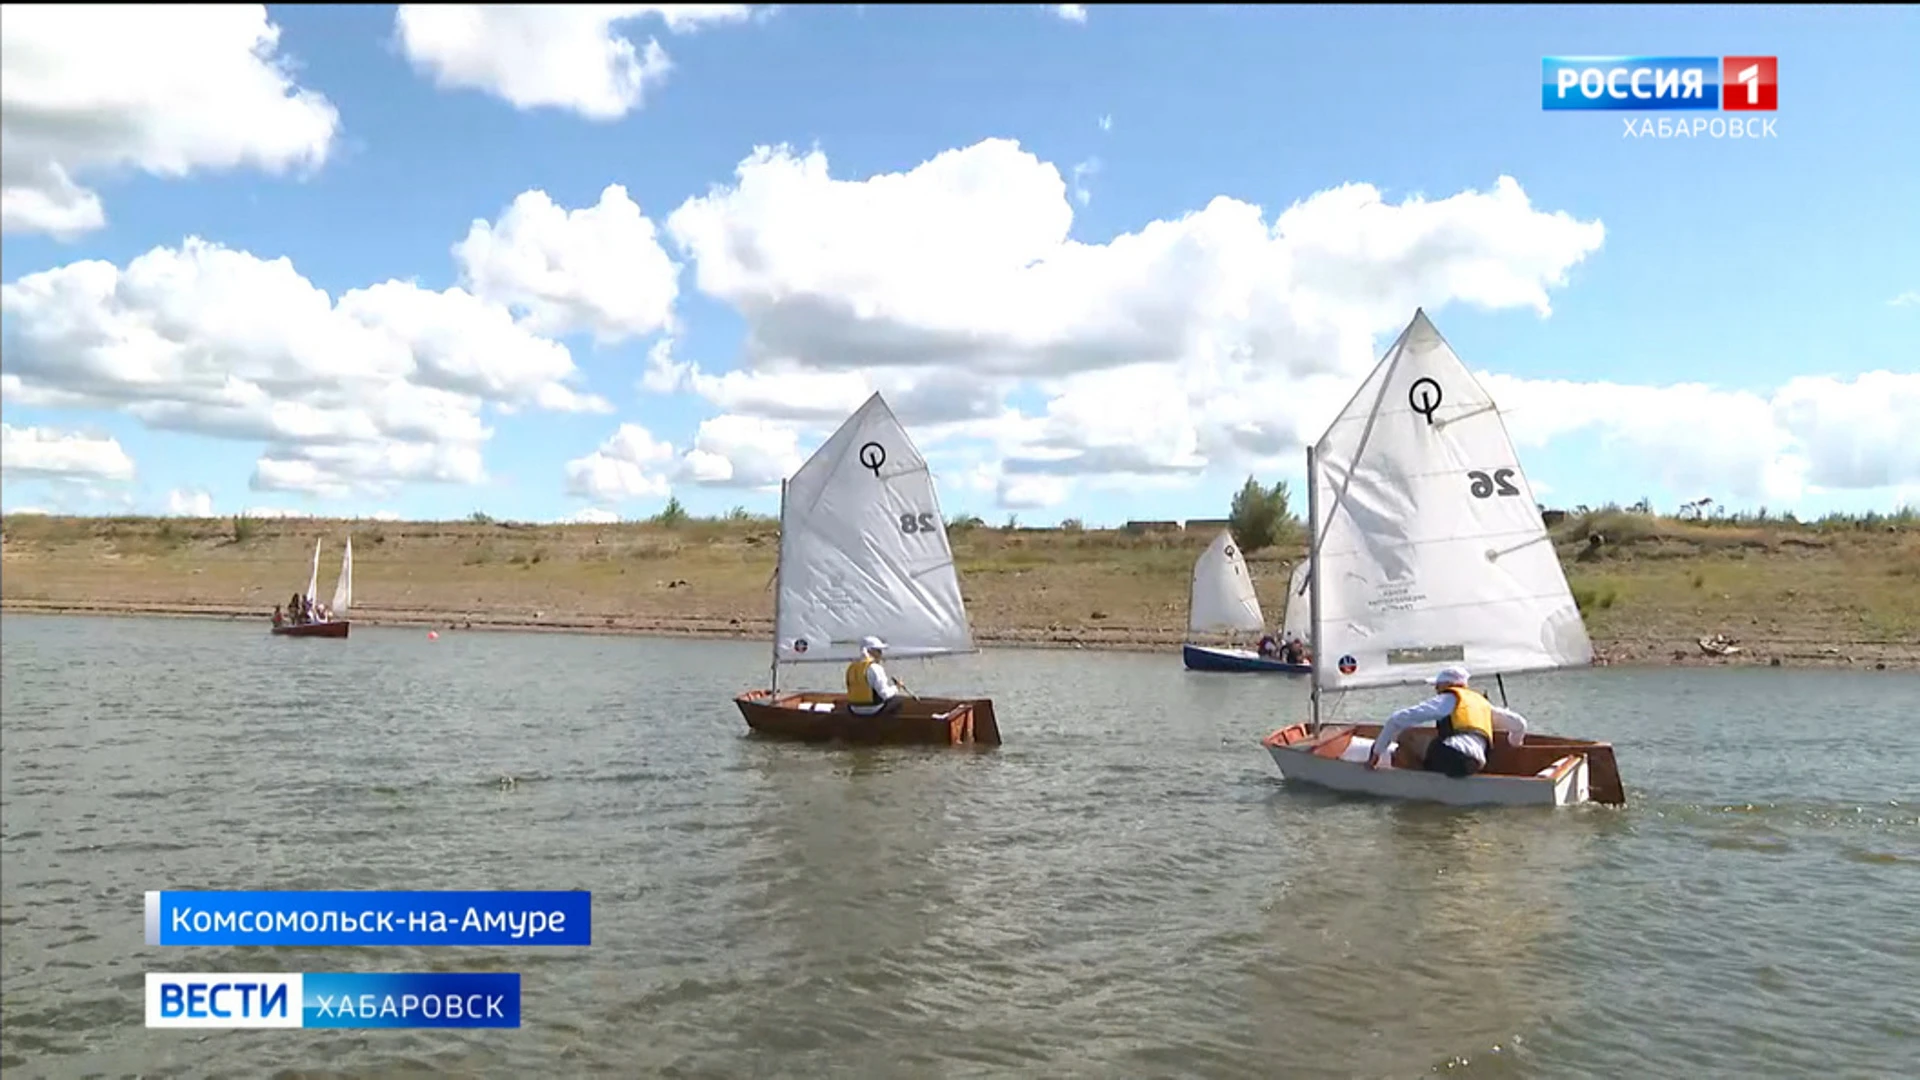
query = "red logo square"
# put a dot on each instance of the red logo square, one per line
(1749, 83)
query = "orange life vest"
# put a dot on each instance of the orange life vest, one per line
(858, 692)
(1472, 715)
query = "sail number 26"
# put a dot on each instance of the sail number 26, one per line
(918, 523)
(1484, 484)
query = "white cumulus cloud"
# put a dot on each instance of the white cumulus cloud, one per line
(34, 453)
(742, 451)
(189, 502)
(1081, 173)
(562, 56)
(1032, 492)
(387, 385)
(591, 515)
(1221, 335)
(167, 90)
(1224, 338)
(727, 451)
(631, 464)
(965, 263)
(1810, 433)
(600, 268)
(1074, 13)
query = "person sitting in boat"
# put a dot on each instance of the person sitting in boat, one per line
(1269, 648)
(296, 612)
(278, 619)
(870, 690)
(1465, 720)
(1291, 650)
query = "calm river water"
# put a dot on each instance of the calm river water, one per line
(1125, 889)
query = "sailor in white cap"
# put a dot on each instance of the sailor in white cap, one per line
(870, 690)
(1466, 721)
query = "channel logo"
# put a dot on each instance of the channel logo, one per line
(446, 999)
(1660, 83)
(224, 1000)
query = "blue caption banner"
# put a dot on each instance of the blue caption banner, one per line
(370, 918)
(458, 999)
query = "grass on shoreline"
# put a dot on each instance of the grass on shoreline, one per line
(1643, 580)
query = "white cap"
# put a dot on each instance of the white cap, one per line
(1454, 675)
(872, 644)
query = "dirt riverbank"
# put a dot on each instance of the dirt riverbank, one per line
(1845, 595)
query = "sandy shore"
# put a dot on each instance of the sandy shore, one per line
(1650, 588)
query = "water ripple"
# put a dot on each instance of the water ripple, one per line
(1125, 889)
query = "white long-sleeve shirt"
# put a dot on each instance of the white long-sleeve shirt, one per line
(1438, 708)
(883, 688)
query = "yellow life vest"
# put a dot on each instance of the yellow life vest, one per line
(1472, 714)
(858, 692)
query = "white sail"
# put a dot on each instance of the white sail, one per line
(1430, 548)
(343, 589)
(313, 579)
(1223, 596)
(863, 550)
(1297, 618)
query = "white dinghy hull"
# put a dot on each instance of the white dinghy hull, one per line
(1556, 773)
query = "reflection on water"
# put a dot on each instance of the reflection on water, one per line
(1126, 888)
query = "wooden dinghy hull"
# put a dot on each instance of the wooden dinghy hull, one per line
(1546, 770)
(319, 629)
(1206, 658)
(824, 717)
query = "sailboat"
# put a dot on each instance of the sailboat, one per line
(1428, 551)
(1222, 600)
(336, 624)
(864, 551)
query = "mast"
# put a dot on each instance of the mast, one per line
(773, 668)
(1193, 580)
(313, 576)
(1313, 584)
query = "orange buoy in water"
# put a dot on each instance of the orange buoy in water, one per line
(433, 635)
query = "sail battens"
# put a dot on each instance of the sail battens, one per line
(1484, 539)
(1496, 555)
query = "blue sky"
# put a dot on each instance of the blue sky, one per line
(1739, 264)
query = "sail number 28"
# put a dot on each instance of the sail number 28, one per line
(918, 523)
(1484, 484)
